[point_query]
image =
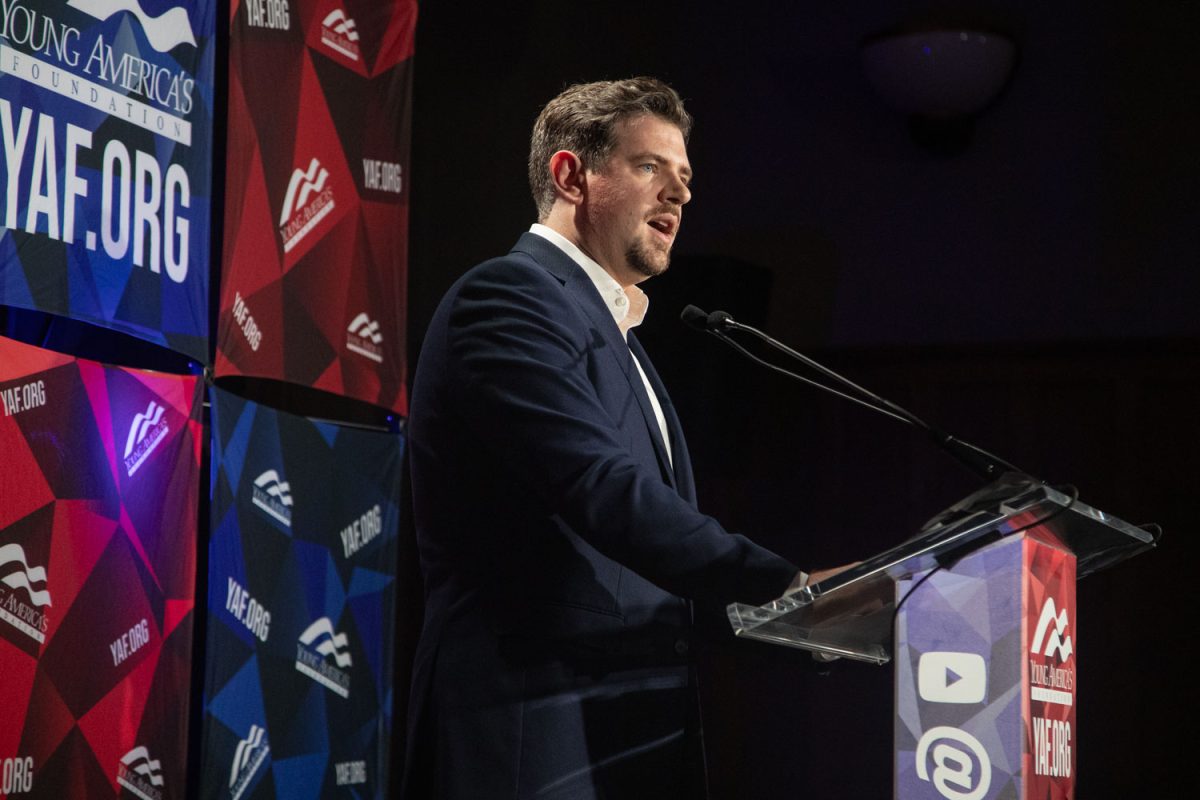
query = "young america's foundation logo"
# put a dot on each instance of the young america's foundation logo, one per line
(363, 337)
(118, 77)
(273, 495)
(248, 759)
(339, 33)
(141, 774)
(164, 32)
(145, 434)
(1056, 639)
(318, 644)
(1051, 677)
(19, 583)
(308, 201)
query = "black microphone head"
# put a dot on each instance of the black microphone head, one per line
(694, 318)
(717, 320)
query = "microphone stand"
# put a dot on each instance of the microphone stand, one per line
(984, 464)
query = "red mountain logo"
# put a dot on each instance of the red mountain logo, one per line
(308, 200)
(145, 434)
(363, 337)
(338, 32)
(1057, 639)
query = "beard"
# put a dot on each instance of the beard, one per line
(648, 260)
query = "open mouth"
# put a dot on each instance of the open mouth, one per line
(665, 225)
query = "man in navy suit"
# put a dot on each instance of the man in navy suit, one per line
(555, 509)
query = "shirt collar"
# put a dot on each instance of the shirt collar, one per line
(628, 306)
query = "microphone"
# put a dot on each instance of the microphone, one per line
(976, 459)
(694, 317)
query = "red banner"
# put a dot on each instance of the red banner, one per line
(1049, 627)
(98, 514)
(316, 214)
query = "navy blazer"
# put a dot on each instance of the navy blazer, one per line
(558, 546)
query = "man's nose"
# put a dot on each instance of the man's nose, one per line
(676, 191)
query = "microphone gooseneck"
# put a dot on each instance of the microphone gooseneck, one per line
(717, 323)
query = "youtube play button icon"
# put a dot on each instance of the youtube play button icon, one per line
(949, 677)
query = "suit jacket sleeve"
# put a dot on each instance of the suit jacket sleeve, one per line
(523, 357)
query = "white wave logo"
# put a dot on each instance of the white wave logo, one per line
(140, 774)
(28, 619)
(250, 754)
(338, 21)
(318, 643)
(273, 495)
(164, 32)
(363, 337)
(299, 214)
(146, 432)
(1059, 640)
(302, 184)
(331, 642)
(339, 32)
(26, 576)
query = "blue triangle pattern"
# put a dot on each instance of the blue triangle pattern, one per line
(300, 777)
(239, 704)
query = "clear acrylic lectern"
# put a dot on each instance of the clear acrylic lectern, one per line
(851, 614)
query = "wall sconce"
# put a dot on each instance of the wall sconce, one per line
(939, 74)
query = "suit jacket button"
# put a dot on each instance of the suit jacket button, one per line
(681, 646)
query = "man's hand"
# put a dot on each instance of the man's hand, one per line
(820, 575)
(803, 579)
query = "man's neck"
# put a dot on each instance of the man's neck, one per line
(562, 222)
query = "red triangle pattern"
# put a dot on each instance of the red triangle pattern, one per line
(79, 537)
(18, 360)
(95, 383)
(176, 612)
(346, 251)
(19, 671)
(54, 721)
(24, 488)
(111, 725)
(78, 757)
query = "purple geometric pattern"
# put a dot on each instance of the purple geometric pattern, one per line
(968, 724)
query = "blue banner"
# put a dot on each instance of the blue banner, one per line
(301, 602)
(106, 123)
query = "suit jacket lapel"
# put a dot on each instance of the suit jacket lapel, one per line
(682, 462)
(580, 286)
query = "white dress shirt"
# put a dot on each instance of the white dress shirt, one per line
(628, 307)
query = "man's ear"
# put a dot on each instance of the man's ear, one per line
(569, 181)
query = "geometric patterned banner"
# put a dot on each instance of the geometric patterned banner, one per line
(316, 206)
(98, 511)
(106, 115)
(985, 674)
(301, 604)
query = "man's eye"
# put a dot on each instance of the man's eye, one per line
(649, 167)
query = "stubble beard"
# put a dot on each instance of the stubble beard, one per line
(646, 260)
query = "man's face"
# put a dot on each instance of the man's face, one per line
(634, 202)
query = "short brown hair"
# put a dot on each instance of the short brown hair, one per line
(582, 120)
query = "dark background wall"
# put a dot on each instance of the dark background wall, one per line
(1034, 293)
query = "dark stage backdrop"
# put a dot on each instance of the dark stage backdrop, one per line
(106, 111)
(301, 602)
(316, 203)
(98, 509)
(1034, 292)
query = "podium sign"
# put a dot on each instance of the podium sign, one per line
(985, 674)
(984, 637)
